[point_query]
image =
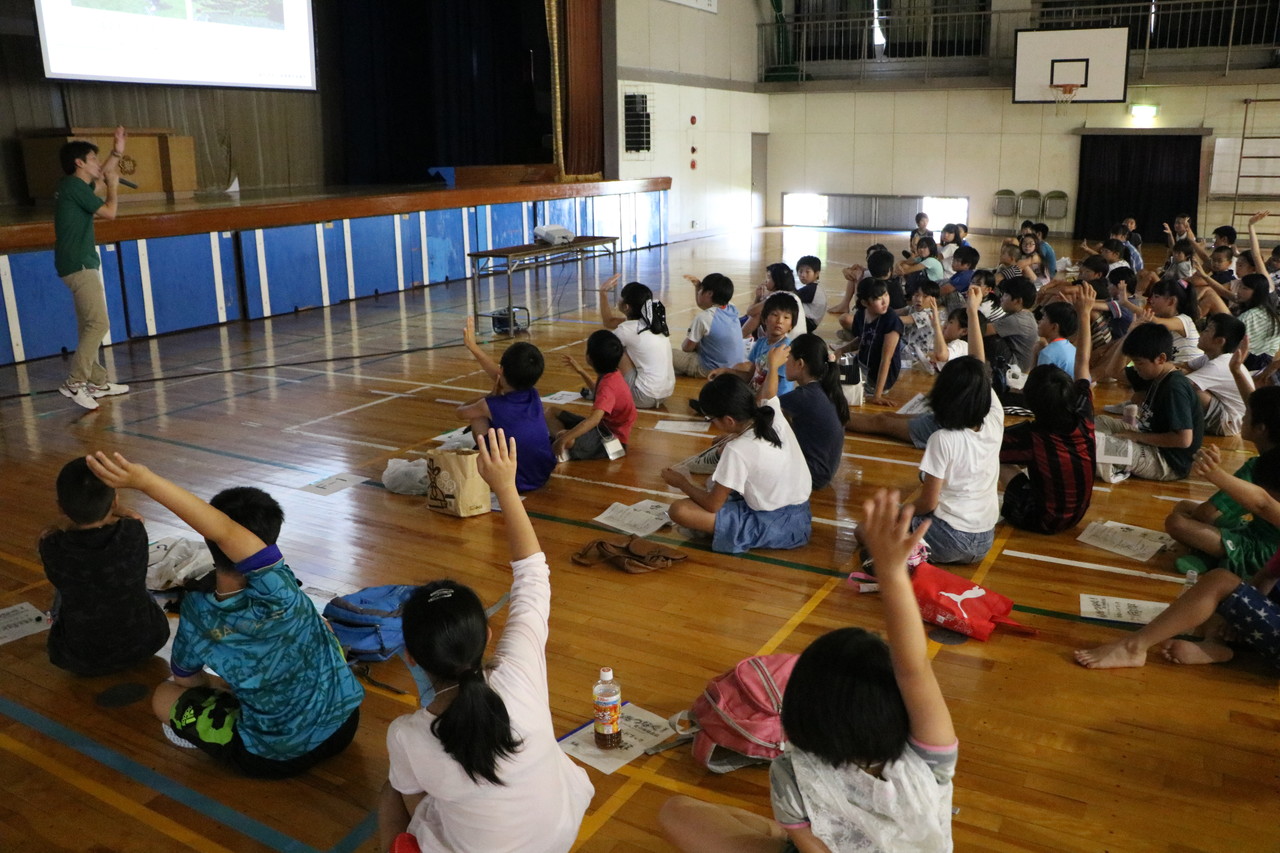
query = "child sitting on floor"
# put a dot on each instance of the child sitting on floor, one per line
(917, 322)
(104, 620)
(754, 498)
(780, 315)
(1058, 324)
(285, 698)
(613, 412)
(1221, 606)
(816, 409)
(1056, 449)
(950, 339)
(1217, 530)
(514, 406)
(778, 279)
(879, 265)
(812, 297)
(647, 366)
(877, 339)
(477, 767)
(1216, 385)
(872, 750)
(715, 335)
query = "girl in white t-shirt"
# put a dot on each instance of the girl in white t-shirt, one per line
(960, 469)
(478, 766)
(872, 751)
(758, 495)
(648, 366)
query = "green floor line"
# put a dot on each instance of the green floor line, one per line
(225, 453)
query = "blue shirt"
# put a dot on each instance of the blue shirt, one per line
(1049, 258)
(520, 414)
(721, 346)
(960, 280)
(1060, 352)
(282, 662)
(759, 356)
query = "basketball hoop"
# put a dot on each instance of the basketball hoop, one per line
(1064, 93)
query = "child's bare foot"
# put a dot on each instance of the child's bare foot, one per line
(1187, 652)
(842, 308)
(1118, 655)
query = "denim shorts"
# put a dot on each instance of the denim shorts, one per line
(948, 545)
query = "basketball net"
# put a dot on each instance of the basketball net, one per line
(1063, 93)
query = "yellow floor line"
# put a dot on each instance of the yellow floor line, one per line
(24, 589)
(109, 797)
(799, 616)
(24, 563)
(592, 823)
(678, 787)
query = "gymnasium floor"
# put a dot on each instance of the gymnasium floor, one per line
(1053, 757)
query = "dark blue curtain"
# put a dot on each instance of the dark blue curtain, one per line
(1152, 178)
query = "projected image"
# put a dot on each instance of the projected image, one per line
(163, 8)
(243, 13)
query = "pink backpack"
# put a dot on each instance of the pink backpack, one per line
(740, 714)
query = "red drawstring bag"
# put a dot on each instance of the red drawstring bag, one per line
(740, 714)
(956, 604)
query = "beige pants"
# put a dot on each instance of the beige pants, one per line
(1148, 463)
(688, 363)
(92, 325)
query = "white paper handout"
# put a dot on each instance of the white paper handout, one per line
(1131, 610)
(456, 439)
(1138, 543)
(1118, 451)
(917, 405)
(562, 397)
(641, 729)
(639, 519)
(336, 483)
(682, 426)
(21, 620)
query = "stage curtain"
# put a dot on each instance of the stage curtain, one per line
(583, 76)
(1151, 178)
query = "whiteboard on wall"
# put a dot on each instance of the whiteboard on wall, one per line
(704, 5)
(1261, 166)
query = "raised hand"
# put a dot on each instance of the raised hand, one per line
(118, 139)
(469, 332)
(778, 356)
(118, 472)
(1258, 217)
(1207, 460)
(693, 279)
(497, 460)
(611, 282)
(1240, 353)
(887, 532)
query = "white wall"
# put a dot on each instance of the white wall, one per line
(662, 36)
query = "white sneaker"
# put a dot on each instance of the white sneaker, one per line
(79, 393)
(1114, 409)
(107, 389)
(176, 739)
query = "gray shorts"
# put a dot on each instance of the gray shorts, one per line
(642, 400)
(921, 427)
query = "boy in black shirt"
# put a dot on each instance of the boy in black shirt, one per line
(104, 620)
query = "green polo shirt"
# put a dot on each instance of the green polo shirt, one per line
(73, 248)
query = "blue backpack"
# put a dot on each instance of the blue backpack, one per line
(367, 622)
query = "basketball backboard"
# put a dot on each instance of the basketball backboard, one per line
(1094, 60)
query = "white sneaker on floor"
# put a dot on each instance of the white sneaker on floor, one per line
(175, 739)
(78, 392)
(107, 389)
(1114, 409)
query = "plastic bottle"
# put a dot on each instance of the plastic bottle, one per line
(1192, 577)
(607, 696)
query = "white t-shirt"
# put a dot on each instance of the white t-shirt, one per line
(651, 354)
(1215, 378)
(701, 324)
(767, 477)
(545, 795)
(968, 463)
(955, 349)
(1186, 346)
(945, 254)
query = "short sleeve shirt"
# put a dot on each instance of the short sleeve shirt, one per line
(817, 426)
(718, 335)
(1018, 330)
(613, 398)
(519, 414)
(760, 358)
(74, 249)
(1171, 405)
(870, 337)
(1060, 352)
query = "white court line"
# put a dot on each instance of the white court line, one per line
(1101, 489)
(1098, 567)
(447, 402)
(857, 437)
(878, 459)
(342, 440)
(297, 427)
(392, 393)
(257, 376)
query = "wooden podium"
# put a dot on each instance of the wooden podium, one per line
(159, 161)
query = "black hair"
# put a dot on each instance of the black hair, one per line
(82, 497)
(810, 261)
(1266, 471)
(928, 287)
(1041, 229)
(522, 365)
(961, 395)
(1185, 247)
(950, 228)
(961, 316)
(1226, 232)
(871, 288)
(928, 243)
(1125, 277)
(730, 396)
(1228, 251)
(70, 152)
(1264, 410)
(1111, 244)
(1186, 297)
(1096, 264)
(1052, 397)
(1026, 223)
(784, 302)
(1134, 239)
(1063, 316)
(251, 508)
(921, 215)
(1149, 341)
(445, 631)
(1120, 231)
(812, 350)
(1229, 328)
(1021, 288)
(633, 298)
(880, 264)
(1260, 296)
(842, 702)
(984, 278)
(604, 351)
(1248, 258)
(966, 255)
(1186, 216)
(962, 227)
(720, 287)
(876, 247)
(781, 276)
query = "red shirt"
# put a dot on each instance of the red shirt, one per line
(1060, 466)
(613, 397)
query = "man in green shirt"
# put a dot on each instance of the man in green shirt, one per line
(76, 258)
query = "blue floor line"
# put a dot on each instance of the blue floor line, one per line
(357, 837)
(158, 782)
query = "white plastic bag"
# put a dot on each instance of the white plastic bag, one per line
(406, 476)
(173, 561)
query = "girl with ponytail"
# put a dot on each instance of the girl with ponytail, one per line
(478, 767)
(758, 495)
(817, 408)
(648, 365)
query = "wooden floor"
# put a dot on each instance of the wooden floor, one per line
(1053, 757)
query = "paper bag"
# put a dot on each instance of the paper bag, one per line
(454, 484)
